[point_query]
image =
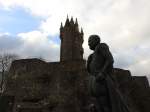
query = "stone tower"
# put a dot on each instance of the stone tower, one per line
(71, 41)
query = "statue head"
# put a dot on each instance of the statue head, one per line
(93, 41)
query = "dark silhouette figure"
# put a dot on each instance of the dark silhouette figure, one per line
(100, 68)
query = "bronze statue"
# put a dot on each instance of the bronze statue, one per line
(102, 87)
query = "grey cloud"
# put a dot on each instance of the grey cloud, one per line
(9, 42)
(123, 61)
(45, 52)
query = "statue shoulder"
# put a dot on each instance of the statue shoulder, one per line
(102, 47)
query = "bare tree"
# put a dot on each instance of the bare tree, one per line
(5, 62)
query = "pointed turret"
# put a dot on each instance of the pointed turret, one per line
(82, 31)
(72, 21)
(61, 26)
(67, 21)
(61, 30)
(76, 23)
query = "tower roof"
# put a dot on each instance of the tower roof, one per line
(70, 23)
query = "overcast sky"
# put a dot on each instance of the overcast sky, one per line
(30, 28)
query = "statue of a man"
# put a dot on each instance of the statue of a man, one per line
(102, 87)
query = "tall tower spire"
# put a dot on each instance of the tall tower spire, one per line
(71, 41)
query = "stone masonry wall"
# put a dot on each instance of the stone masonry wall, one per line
(37, 86)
